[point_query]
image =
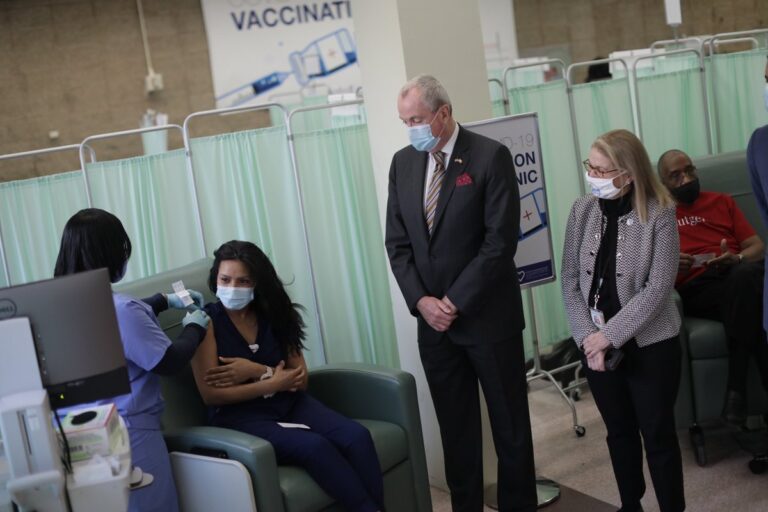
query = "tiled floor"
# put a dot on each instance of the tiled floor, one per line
(582, 467)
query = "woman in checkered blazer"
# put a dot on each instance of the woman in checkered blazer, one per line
(619, 264)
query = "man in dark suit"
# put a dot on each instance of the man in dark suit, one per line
(452, 228)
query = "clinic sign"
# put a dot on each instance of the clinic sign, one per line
(279, 50)
(520, 134)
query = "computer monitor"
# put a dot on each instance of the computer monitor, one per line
(75, 333)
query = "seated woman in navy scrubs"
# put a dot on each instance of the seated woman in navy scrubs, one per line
(251, 372)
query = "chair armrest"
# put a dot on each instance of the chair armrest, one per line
(373, 392)
(256, 454)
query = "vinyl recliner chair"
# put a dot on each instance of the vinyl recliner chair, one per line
(381, 399)
(704, 375)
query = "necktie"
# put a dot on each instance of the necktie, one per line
(434, 190)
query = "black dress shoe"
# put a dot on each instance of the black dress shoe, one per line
(735, 409)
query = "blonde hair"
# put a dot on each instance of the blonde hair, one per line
(627, 153)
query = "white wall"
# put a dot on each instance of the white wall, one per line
(499, 34)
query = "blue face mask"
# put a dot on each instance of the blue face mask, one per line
(421, 136)
(234, 297)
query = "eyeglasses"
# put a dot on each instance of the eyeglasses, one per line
(598, 170)
(677, 175)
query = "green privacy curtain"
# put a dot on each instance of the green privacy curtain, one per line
(671, 108)
(152, 196)
(562, 177)
(737, 83)
(347, 245)
(313, 120)
(32, 216)
(247, 192)
(600, 107)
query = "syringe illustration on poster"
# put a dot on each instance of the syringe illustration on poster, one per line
(320, 58)
(264, 51)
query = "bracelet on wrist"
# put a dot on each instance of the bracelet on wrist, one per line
(268, 373)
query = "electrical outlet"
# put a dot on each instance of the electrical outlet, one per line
(153, 82)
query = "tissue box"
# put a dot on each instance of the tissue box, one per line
(99, 435)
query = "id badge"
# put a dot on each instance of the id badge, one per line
(597, 317)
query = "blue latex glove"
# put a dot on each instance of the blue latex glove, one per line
(174, 301)
(198, 317)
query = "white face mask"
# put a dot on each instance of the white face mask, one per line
(604, 187)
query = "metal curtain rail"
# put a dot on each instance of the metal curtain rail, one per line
(570, 84)
(504, 96)
(669, 42)
(188, 150)
(111, 135)
(295, 165)
(546, 62)
(701, 81)
(25, 154)
(123, 133)
(571, 109)
(711, 44)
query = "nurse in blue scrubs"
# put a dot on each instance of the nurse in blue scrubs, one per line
(94, 239)
(251, 371)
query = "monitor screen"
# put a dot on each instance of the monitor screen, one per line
(76, 335)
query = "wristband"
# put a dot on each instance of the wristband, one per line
(266, 375)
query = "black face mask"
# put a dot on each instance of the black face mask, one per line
(687, 193)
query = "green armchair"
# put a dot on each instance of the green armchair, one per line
(705, 349)
(382, 399)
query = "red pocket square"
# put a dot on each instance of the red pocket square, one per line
(463, 180)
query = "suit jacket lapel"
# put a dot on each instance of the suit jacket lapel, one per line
(418, 176)
(456, 167)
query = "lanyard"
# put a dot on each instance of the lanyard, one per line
(601, 252)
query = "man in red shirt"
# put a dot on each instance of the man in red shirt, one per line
(720, 274)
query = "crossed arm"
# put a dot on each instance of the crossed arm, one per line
(225, 380)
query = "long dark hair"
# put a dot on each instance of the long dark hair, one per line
(271, 300)
(92, 239)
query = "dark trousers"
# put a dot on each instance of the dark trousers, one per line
(453, 372)
(735, 298)
(337, 452)
(638, 398)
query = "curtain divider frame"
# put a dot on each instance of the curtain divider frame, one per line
(712, 42)
(570, 83)
(112, 135)
(701, 81)
(557, 62)
(12, 156)
(504, 95)
(297, 179)
(668, 42)
(188, 152)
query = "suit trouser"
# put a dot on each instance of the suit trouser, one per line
(735, 298)
(638, 398)
(453, 372)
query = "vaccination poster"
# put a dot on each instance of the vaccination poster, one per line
(520, 134)
(279, 50)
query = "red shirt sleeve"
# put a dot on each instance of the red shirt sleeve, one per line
(741, 226)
